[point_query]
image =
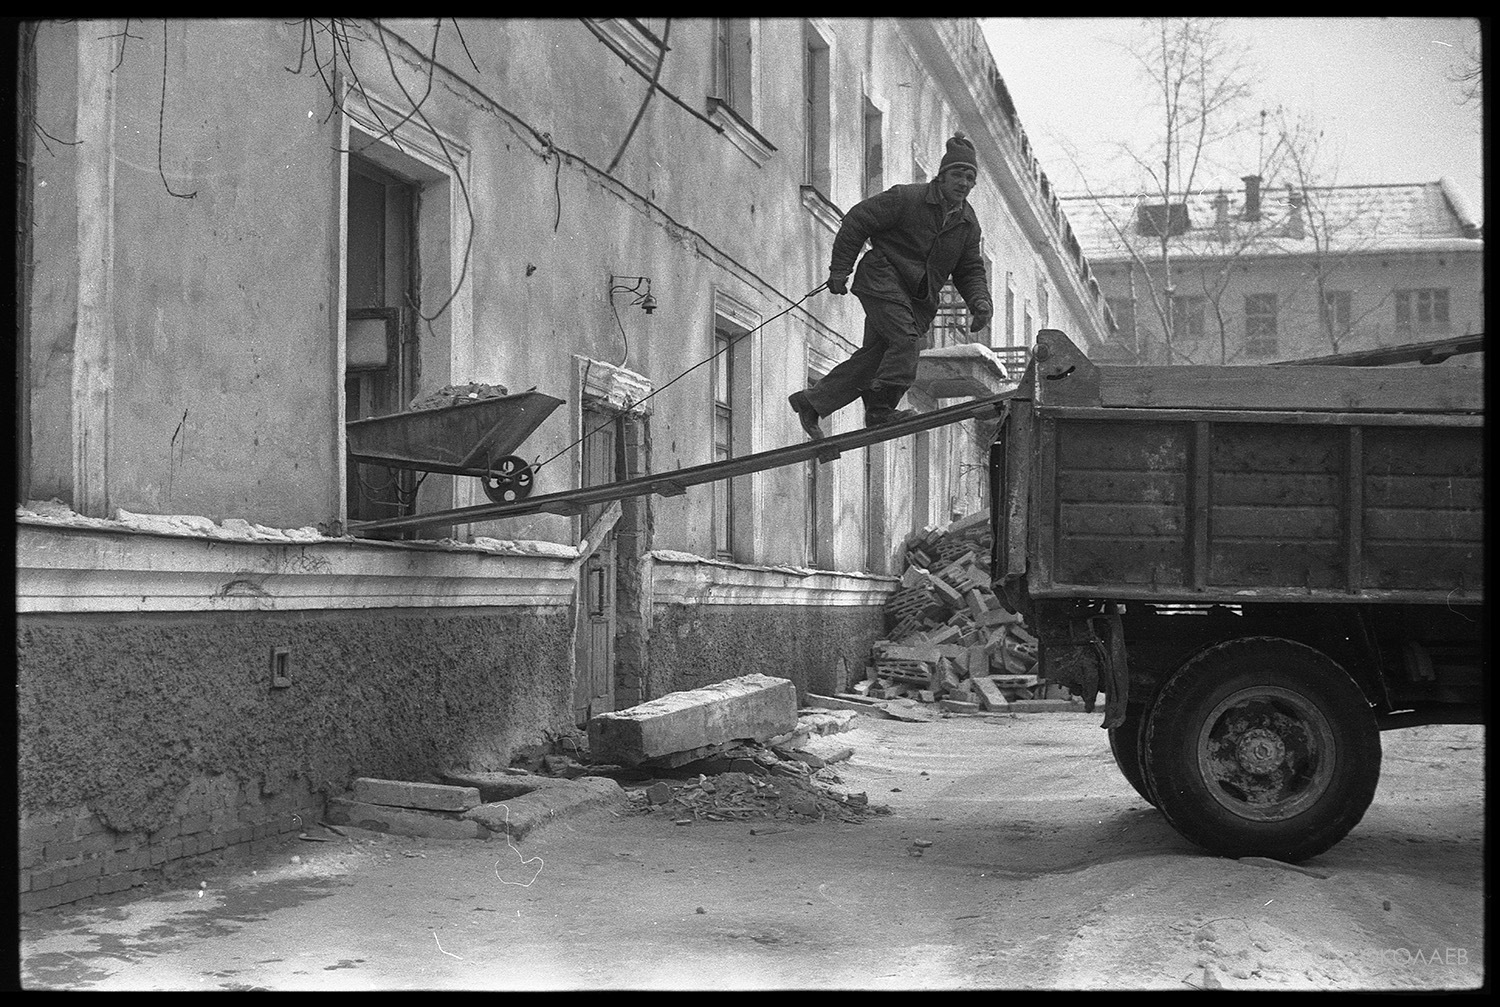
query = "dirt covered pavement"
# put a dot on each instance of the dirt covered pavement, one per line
(1013, 856)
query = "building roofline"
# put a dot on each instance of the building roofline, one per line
(1431, 245)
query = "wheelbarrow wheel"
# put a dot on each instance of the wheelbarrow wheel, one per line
(511, 480)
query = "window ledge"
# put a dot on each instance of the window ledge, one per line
(822, 208)
(740, 133)
(641, 47)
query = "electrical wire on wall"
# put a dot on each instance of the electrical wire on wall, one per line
(537, 466)
(642, 299)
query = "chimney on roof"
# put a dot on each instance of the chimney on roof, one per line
(1221, 216)
(1294, 228)
(1252, 197)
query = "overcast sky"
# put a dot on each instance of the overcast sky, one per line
(1378, 87)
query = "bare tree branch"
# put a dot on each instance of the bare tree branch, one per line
(122, 36)
(161, 120)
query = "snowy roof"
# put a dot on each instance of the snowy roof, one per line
(1425, 216)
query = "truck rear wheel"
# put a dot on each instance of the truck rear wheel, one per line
(1262, 747)
(1125, 745)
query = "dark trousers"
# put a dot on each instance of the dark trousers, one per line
(882, 369)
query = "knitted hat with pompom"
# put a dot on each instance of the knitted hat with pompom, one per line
(960, 153)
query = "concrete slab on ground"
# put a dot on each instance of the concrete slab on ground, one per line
(520, 815)
(681, 726)
(494, 787)
(403, 821)
(421, 796)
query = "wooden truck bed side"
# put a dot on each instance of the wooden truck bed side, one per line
(1235, 484)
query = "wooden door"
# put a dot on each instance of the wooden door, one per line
(593, 688)
(381, 358)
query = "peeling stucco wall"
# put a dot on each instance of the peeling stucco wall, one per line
(123, 713)
(696, 645)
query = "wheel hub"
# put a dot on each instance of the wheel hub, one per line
(1266, 753)
(1261, 751)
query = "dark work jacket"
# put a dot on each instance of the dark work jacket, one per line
(911, 253)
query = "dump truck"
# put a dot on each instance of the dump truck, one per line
(1261, 568)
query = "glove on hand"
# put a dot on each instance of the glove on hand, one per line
(838, 284)
(980, 317)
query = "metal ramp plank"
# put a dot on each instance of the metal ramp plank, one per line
(673, 483)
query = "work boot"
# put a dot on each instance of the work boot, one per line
(880, 407)
(806, 414)
(885, 416)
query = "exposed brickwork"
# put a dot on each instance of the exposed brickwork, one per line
(70, 854)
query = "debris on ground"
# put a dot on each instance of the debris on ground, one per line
(950, 642)
(752, 782)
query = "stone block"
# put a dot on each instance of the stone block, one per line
(998, 617)
(34, 901)
(749, 708)
(502, 786)
(979, 661)
(991, 697)
(957, 706)
(74, 890)
(404, 821)
(57, 852)
(853, 702)
(46, 878)
(422, 796)
(523, 814)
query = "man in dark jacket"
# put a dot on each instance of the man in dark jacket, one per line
(920, 235)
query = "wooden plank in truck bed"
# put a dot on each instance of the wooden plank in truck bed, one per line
(1375, 500)
(1397, 389)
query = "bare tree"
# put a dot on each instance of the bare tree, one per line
(1470, 73)
(1200, 79)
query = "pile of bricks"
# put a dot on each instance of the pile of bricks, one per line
(949, 640)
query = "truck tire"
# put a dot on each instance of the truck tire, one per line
(1262, 747)
(1125, 745)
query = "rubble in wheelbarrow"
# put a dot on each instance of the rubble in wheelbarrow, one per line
(949, 640)
(450, 395)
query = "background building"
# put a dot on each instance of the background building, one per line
(239, 235)
(1259, 275)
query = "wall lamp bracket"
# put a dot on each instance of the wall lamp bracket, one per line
(639, 289)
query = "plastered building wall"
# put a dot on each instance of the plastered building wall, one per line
(185, 343)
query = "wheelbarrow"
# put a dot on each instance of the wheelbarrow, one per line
(469, 438)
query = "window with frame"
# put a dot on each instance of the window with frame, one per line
(1188, 314)
(1010, 309)
(874, 143)
(732, 60)
(723, 382)
(816, 110)
(1421, 312)
(1337, 312)
(1260, 324)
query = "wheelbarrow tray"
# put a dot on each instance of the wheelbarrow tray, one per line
(466, 438)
